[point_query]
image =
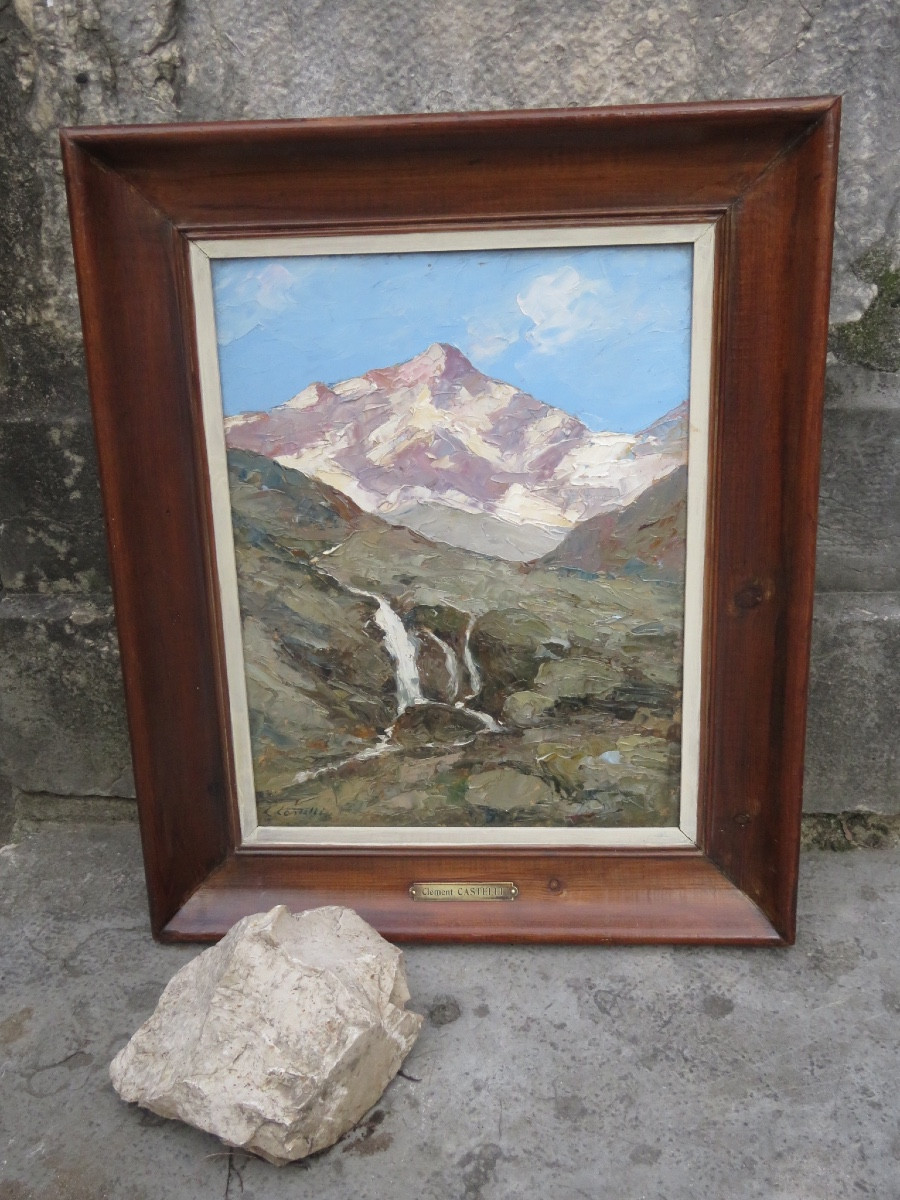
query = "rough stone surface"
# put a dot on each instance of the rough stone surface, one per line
(874, 340)
(28, 811)
(859, 506)
(62, 721)
(850, 831)
(51, 522)
(559, 1072)
(279, 1038)
(7, 810)
(853, 689)
(69, 62)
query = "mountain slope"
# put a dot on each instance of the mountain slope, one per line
(481, 532)
(650, 530)
(302, 515)
(549, 683)
(313, 657)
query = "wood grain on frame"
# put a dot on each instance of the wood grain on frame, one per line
(765, 172)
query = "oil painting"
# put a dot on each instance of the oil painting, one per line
(458, 487)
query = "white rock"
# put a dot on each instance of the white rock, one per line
(279, 1038)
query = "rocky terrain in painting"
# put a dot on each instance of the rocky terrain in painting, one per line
(649, 533)
(485, 667)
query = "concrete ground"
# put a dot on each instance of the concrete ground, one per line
(611, 1074)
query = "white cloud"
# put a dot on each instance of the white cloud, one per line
(244, 300)
(275, 284)
(565, 305)
(489, 338)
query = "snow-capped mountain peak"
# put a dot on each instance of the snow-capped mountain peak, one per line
(436, 427)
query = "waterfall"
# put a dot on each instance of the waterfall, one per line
(450, 662)
(401, 646)
(403, 649)
(471, 666)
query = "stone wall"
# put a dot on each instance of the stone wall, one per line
(62, 724)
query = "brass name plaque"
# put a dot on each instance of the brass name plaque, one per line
(463, 891)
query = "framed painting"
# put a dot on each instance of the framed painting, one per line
(460, 474)
(454, 613)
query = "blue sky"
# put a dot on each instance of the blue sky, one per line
(603, 333)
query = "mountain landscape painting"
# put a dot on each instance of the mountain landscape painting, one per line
(458, 489)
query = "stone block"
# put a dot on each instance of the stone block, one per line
(859, 505)
(62, 717)
(7, 810)
(280, 1038)
(31, 811)
(852, 759)
(854, 388)
(51, 521)
(84, 64)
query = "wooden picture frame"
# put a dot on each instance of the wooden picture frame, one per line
(760, 175)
